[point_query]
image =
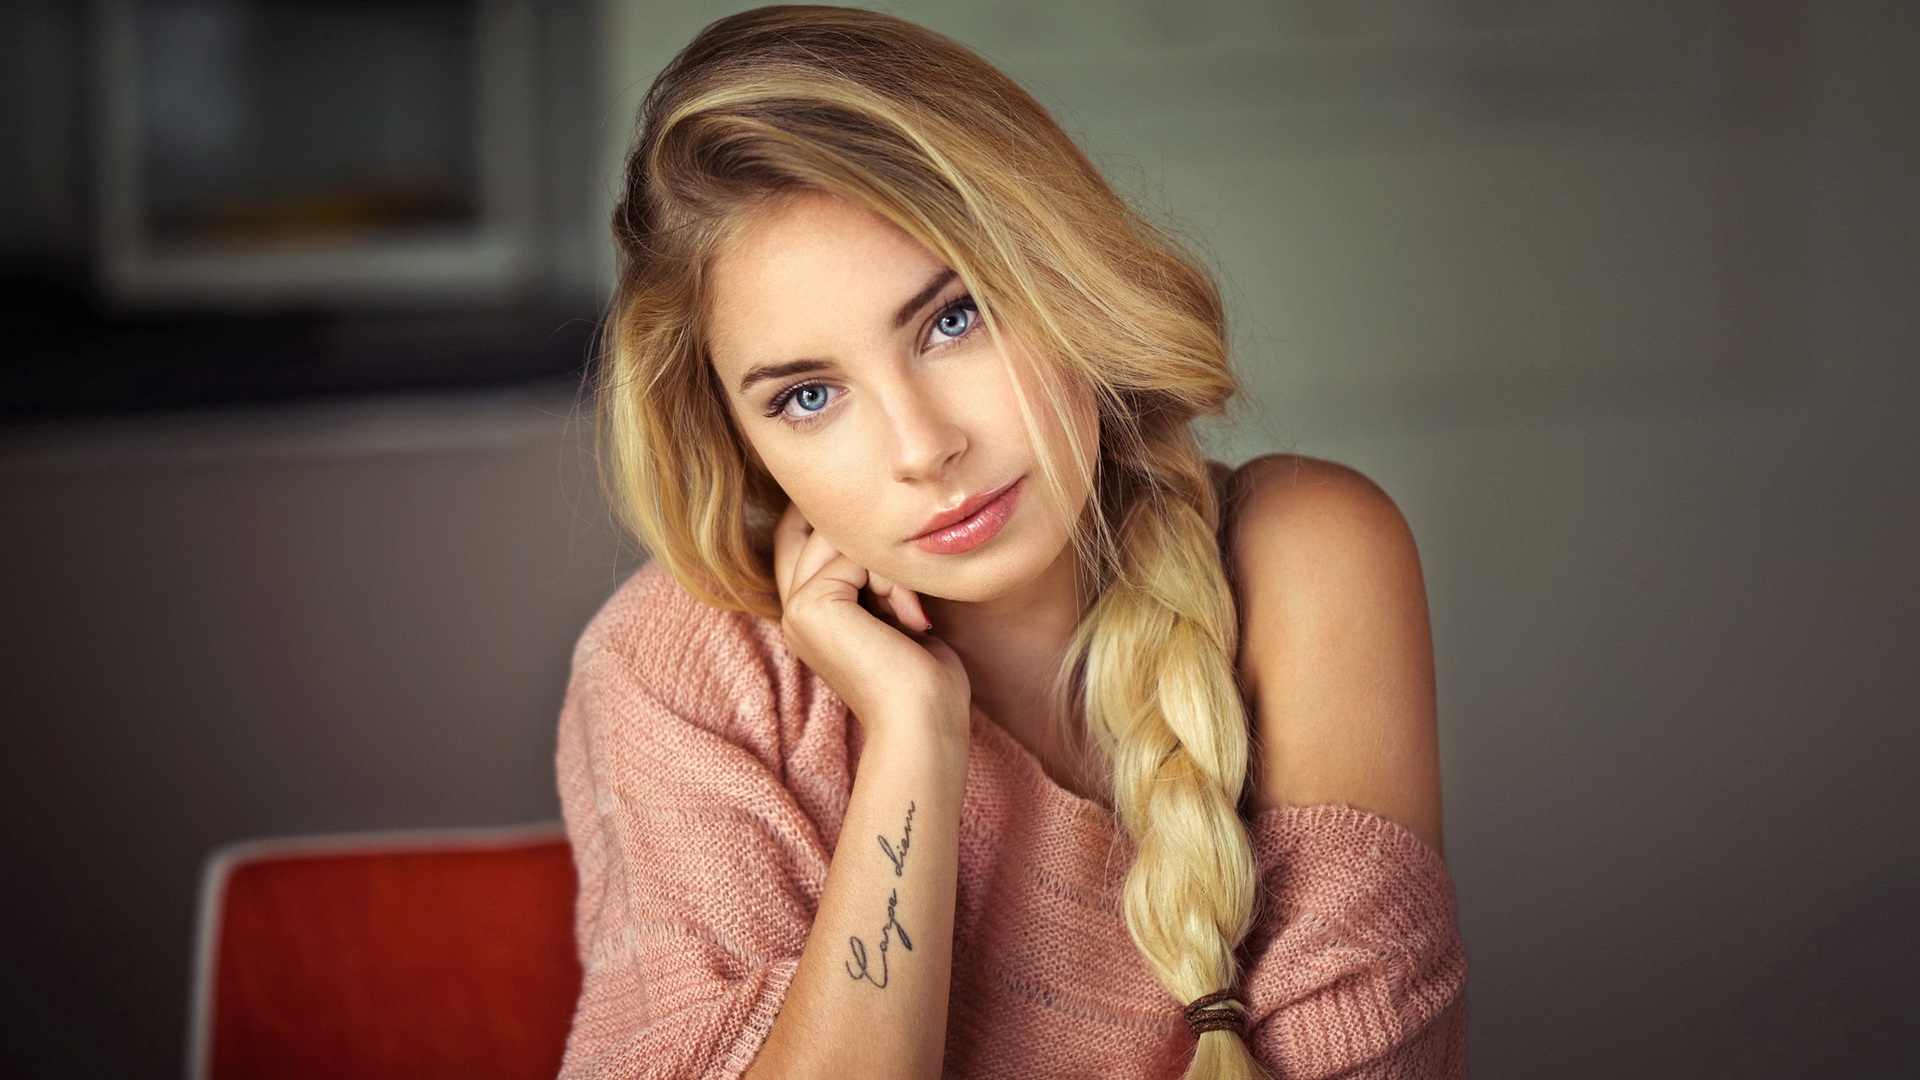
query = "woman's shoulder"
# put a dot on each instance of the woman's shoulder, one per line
(660, 671)
(1335, 650)
(1301, 486)
(655, 628)
(1281, 512)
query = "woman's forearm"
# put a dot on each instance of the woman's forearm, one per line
(870, 995)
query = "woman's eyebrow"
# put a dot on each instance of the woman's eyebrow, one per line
(901, 318)
(780, 371)
(912, 307)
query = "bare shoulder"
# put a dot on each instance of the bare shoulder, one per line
(1336, 657)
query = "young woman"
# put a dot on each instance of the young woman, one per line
(966, 721)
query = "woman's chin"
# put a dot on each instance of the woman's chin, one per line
(972, 581)
(946, 591)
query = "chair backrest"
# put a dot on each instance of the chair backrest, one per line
(416, 954)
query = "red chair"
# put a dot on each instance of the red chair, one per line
(416, 954)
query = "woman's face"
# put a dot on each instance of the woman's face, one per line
(859, 370)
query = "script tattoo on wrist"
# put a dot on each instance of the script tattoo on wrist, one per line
(899, 857)
(859, 967)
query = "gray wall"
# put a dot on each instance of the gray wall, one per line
(313, 619)
(1633, 350)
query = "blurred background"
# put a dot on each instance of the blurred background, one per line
(1617, 298)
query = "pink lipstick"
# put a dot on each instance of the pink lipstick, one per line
(978, 526)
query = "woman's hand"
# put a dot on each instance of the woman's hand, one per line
(884, 675)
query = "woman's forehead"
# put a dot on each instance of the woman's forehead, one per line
(810, 266)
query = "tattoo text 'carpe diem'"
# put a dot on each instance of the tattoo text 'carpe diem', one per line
(860, 966)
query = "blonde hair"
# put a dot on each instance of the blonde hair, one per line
(920, 131)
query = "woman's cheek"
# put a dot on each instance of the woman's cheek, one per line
(849, 526)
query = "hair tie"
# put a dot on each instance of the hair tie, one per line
(1218, 1011)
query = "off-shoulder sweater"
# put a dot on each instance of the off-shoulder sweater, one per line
(704, 775)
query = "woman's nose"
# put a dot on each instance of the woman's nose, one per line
(924, 437)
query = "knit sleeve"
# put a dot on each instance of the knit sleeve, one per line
(699, 873)
(1358, 971)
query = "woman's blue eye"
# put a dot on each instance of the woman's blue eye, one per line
(812, 397)
(957, 319)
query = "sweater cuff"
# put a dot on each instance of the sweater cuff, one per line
(1360, 961)
(760, 1017)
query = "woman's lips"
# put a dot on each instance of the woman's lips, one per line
(976, 530)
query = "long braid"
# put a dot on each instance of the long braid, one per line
(1155, 656)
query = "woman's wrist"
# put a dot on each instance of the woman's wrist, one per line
(930, 737)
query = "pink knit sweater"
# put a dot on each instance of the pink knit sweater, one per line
(704, 774)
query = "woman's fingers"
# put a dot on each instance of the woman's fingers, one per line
(801, 553)
(789, 536)
(817, 555)
(904, 602)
